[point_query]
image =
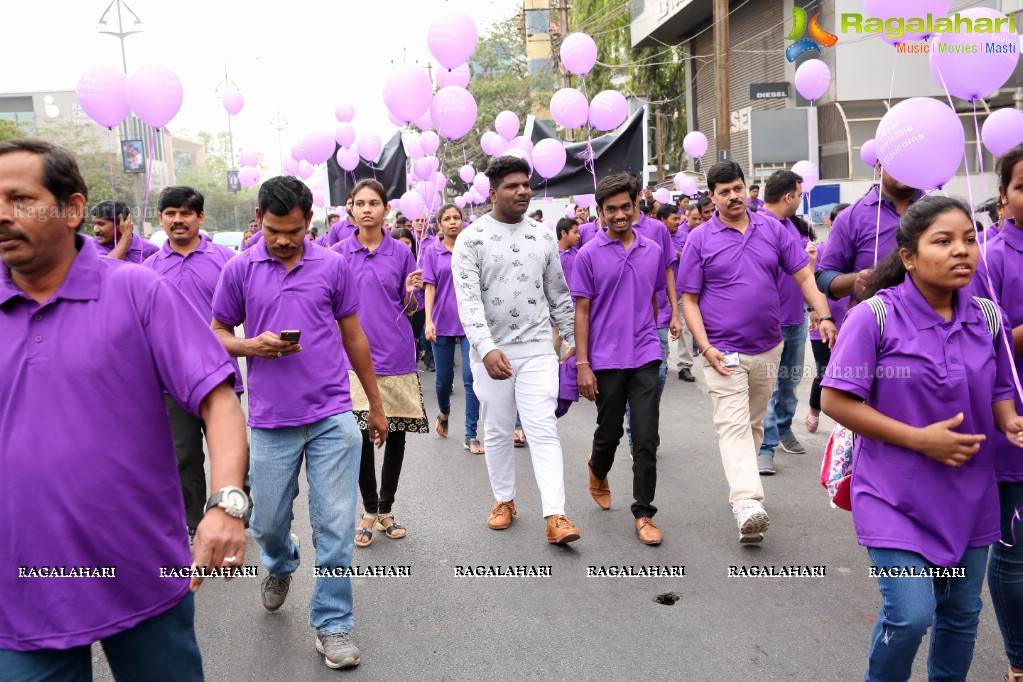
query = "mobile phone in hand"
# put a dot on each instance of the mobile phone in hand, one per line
(291, 335)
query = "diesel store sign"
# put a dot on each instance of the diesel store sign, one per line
(768, 91)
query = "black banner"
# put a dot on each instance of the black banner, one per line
(389, 170)
(613, 153)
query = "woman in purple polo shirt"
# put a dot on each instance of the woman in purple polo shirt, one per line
(444, 329)
(385, 270)
(920, 375)
(1000, 277)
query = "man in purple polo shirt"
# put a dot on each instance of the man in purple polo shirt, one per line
(783, 193)
(861, 236)
(729, 280)
(343, 229)
(299, 402)
(616, 281)
(115, 233)
(93, 541)
(582, 215)
(755, 202)
(192, 263)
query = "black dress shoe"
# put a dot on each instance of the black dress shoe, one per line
(686, 374)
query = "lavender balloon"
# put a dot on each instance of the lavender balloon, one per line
(344, 112)
(233, 102)
(695, 144)
(920, 143)
(412, 205)
(407, 93)
(347, 158)
(969, 69)
(549, 157)
(453, 112)
(812, 79)
(345, 134)
(425, 122)
(290, 165)
(102, 94)
(1002, 131)
(507, 125)
(458, 76)
(481, 183)
(248, 157)
(685, 184)
(499, 145)
(460, 202)
(155, 94)
(608, 110)
(523, 143)
(569, 108)
(318, 197)
(662, 196)
(868, 152)
(296, 152)
(808, 171)
(369, 147)
(486, 142)
(452, 39)
(467, 173)
(305, 171)
(425, 167)
(584, 200)
(318, 146)
(429, 141)
(578, 53)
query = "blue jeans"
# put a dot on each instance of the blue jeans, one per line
(782, 407)
(662, 376)
(333, 454)
(910, 605)
(444, 361)
(160, 648)
(1005, 573)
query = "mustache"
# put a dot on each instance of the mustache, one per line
(12, 234)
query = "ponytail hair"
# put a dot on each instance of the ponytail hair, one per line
(918, 217)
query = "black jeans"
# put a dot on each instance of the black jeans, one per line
(394, 455)
(638, 388)
(821, 357)
(418, 320)
(188, 431)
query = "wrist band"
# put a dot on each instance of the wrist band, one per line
(581, 363)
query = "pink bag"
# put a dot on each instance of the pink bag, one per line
(836, 470)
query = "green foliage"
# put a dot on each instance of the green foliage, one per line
(657, 73)
(225, 211)
(9, 130)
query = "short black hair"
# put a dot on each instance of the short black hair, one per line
(617, 183)
(724, 171)
(404, 232)
(332, 215)
(755, 186)
(665, 210)
(502, 166)
(564, 225)
(401, 219)
(704, 201)
(1006, 164)
(111, 210)
(178, 196)
(279, 195)
(779, 184)
(693, 206)
(61, 175)
(836, 209)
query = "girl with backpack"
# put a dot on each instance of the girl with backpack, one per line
(920, 374)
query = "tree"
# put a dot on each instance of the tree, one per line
(226, 211)
(657, 73)
(9, 130)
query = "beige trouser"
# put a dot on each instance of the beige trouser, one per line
(740, 401)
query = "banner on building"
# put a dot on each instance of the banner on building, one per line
(389, 170)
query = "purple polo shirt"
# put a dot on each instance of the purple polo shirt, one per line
(587, 231)
(655, 231)
(138, 250)
(196, 276)
(790, 296)
(425, 243)
(340, 231)
(757, 203)
(89, 473)
(620, 285)
(567, 257)
(1004, 267)
(736, 277)
(256, 237)
(923, 370)
(837, 307)
(436, 263)
(678, 240)
(379, 278)
(255, 288)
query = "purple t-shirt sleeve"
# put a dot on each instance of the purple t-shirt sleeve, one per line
(667, 247)
(228, 297)
(582, 276)
(189, 358)
(345, 297)
(791, 250)
(428, 262)
(854, 358)
(690, 268)
(1005, 385)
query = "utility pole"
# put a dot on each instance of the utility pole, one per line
(566, 75)
(226, 85)
(279, 123)
(723, 138)
(660, 146)
(120, 33)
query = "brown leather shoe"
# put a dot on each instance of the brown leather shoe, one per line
(560, 530)
(501, 516)
(599, 490)
(648, 533)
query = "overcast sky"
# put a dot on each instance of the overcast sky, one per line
(303, 56)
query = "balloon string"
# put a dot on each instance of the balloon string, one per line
(1012, 527)
(110, 158)
(809, 151)
(149, 181)
(589, 163)
(1009, 347)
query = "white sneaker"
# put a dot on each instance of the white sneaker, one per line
(752, 520)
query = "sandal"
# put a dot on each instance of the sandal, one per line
(519, 438)
(812, 420)
(364, 535)
(395, 531)
(474, 446)
(442, 426)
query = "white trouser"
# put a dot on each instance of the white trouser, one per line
(533, 392)
(684, 345)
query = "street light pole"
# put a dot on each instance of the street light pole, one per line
(226, 85)
(279, 123)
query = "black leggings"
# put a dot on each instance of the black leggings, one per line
(821, 356)
(394, 455)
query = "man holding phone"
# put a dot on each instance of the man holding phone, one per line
(729, 283)
(297, 404)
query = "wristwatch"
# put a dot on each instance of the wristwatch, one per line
(829, 318)
(233, 501)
